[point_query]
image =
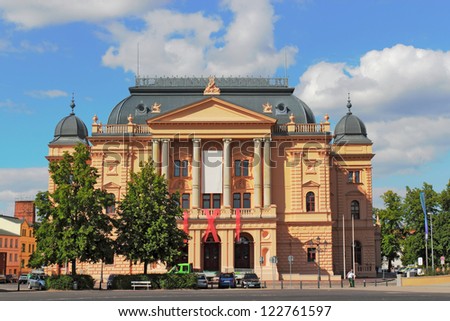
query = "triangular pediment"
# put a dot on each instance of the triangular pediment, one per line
(212, 110)
(311, 184)
(111, 185)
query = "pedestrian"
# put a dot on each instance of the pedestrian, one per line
(351, 278)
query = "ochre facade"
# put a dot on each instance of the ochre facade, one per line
(288, 197)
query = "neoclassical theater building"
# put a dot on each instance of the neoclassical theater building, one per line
(264, 185)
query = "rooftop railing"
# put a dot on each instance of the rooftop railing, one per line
(202, 82)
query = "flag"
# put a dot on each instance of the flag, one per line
(424, 208)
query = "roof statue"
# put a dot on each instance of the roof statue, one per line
(211, 88)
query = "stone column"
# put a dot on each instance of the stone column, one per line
(165, 158)
(156, 155)
(267, 174)
(196, 173)
(257, 160)
(227, 173)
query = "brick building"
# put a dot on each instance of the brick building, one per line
(17, 240)
(260, 178)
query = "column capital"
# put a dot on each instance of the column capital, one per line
(165, 140)
(196, 140)
(257, 140)
(227, 140)
(267, 139)
(156, 140)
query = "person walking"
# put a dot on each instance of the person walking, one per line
(351, 278)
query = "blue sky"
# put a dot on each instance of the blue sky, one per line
(393, 56)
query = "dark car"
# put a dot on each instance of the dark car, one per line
(250, 280)
(11, 278)
(109, 282)
(227, 280)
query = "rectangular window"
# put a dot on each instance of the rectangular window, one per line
(245, 171)
(17, 244)
(109, 259)
(10, 257)
(216, 200)
(311, 254)
(22, 264)
(237, 168)
(23, 247)
(184, 168)
(206, 201)
(31, 233)
(15, 257)
(29, 248)
(6, 242)
(247, 200)
(24, 232)
(32, 248)
(11, 243)
(236, 200)
(354, 177)
(185, 201)
(176, 168)
(1, 242)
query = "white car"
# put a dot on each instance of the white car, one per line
(37, 281)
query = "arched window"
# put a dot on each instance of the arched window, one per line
(310, 202)
(358, 252)
(354, 209)
(111, 204)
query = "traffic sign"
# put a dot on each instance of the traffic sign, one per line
(290, 258)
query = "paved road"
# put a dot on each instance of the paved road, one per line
(380, 293)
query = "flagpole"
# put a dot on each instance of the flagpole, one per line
(343, 244)
(431, 232)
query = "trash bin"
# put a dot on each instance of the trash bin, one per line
(75, 285)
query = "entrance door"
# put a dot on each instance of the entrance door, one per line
(243, 253)
(211, 255)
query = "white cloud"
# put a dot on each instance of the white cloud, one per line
(53, 93)
(29, 14)
(7, 46)
(405, 144)
(402, 94)
(19, 183)
(173, 43)
(392, 82)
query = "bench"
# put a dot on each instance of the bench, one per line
(141, 284)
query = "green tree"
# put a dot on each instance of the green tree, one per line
(147, 228)
(391, 226)
(413, 244)
(441, 227)
(72, 224)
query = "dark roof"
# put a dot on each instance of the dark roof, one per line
(350, 129)
(70, 130)
(174, 93)
(7, 233)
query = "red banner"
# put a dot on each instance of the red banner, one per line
(211, 228)
(238, 224)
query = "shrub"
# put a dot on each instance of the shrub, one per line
(158, 281)
(65, 282)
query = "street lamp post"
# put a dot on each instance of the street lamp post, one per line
(318, 250)
(431, 231)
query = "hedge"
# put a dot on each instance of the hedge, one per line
(158, 281)
(66, 282)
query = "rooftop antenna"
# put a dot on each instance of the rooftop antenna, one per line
(285, 64)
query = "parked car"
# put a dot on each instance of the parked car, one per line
(2, 278)
(37, 281)
(227, 280)
(11, 278)
(202, 281)
(23, 279)
(250, 280)
(109, 281)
